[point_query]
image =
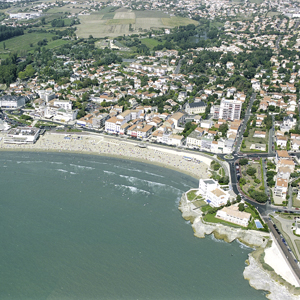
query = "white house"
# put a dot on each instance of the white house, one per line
(281, 187)
(214, 195)
(233, 215)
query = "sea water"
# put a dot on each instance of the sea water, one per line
(91, 227)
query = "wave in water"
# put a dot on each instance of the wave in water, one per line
(29, 161)
(151, 184)
(55, 162)
(131, 188)
(109, 172)
(82, 167)
(73, 173)
(243, 246)
(216, 240)
(62, 170)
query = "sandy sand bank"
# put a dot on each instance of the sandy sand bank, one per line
(99, 145)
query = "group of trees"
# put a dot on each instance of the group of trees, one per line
(7, 32)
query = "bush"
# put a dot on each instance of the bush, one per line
(243, 161)
(251, 171)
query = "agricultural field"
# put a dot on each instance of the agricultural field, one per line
(177, 21)
(112, 23)
(28, 42)
(67, 8)
(150, 14)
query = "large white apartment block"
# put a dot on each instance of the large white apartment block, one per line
(66, 104)
(12, 101)
(227, 110)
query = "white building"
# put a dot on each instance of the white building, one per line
(22, 135)
(66, 104)
(214, 195)
(227, 110)
(12, 102)
(233, 215)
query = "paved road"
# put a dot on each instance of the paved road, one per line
(177, 69)
(271, 147)
(243, 127)
(287, 254)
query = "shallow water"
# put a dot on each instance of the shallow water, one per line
(90, 227)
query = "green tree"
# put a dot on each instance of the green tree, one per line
(243, 161)
(241, 207)
(251, 171)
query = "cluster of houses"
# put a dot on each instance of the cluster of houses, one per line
(285, 165)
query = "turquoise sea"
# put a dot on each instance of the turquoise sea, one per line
(91, 227)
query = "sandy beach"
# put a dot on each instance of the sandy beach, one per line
(101, 145)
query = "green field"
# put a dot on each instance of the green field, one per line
(108, 16)
(67, 8)
(151, 14)
(120, 21)
(23, 42)
(150, 43)
(178, 21)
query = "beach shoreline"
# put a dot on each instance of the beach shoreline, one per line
(102, 146)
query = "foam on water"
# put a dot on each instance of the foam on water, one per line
(62, 170)
(82, 167)
(109, 172)
(133, 189)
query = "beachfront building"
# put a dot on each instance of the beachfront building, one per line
(233, 215)
(212, 192)
(12, 102)
(22, 135)
(113, 125)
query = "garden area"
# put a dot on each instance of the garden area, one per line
(251, 182)
(210, 216)
(250, 140)
(218, 173)
(197, 200)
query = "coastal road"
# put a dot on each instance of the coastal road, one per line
(287, 254)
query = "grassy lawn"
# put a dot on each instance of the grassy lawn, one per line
(297, 242)
(150, 43)
(178, 21)
(273, 13)
(191, 195)
(251, 140)
(296, 202)
(212, 218)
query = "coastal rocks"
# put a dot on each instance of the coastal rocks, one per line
(249, 237)
(261, 280)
